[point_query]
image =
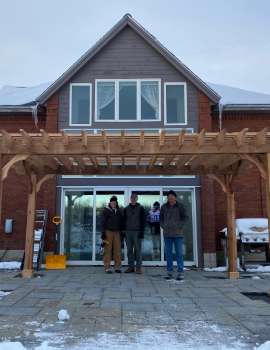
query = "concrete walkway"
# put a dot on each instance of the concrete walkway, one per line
(205, 308)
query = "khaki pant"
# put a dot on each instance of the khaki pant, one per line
(114, 244)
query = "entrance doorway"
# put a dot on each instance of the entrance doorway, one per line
(81, 231)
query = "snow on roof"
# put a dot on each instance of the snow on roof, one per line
(19, 96)
(231, 95)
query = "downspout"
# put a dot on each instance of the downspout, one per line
(220, 110)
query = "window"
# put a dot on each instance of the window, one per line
(175, 103)
(80, 104)
(128, 100)
(149, 100)
(105, 100)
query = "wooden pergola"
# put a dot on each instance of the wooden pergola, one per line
(219, 155)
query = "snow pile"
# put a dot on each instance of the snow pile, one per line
(259, 268)
(10, 265)
(3, 294)
(63, 315)
(216, 269)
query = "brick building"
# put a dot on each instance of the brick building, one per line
(129, 81)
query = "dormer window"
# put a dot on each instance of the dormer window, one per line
(128, 100)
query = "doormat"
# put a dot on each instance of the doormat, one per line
(257, 296)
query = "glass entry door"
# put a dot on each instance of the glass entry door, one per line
(78, 225)
(81, 229)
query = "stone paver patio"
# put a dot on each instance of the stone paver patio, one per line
(203, 309)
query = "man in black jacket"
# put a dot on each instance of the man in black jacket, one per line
(134, 223)
(111, 225)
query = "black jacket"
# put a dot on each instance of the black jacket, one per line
(112, 219)
(135, 218)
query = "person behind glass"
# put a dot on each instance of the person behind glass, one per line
(134, 223)
(172, 219)
(111, 225)
(153, 219)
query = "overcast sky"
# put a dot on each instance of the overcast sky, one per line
(223, 41)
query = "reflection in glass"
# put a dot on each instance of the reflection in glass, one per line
(151, 243)
(78, 225)
(185, 197)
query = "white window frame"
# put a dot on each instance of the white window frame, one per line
(165, 103)
(116, 101)
(70, 104)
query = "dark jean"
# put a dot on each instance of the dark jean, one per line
(178, 246)
(134, 248)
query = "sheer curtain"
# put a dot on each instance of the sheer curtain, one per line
(105, 95)
(149, 91)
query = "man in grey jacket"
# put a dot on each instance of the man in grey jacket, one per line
(134, 223)
(172, 219)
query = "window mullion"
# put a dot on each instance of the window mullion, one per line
(139, 111)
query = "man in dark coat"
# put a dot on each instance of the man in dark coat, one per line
(134, 223)
(172, 219)
(111, 225)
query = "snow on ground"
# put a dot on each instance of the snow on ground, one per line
(10, 265)
(147, 340)
(63, 315)
(253, 269)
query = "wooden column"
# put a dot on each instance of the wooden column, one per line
(267, 197)
(29, 239)
(231, 230)
(231, 236)
(226, 185)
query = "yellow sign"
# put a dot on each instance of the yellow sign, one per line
(57, 220)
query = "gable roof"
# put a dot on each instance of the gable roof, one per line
(128, 20)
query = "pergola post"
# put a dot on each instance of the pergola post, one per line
(29, 239)
(231, 236)
(267, 185)
(226, 185)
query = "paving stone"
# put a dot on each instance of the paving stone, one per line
(18, 311)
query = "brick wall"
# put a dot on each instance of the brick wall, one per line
(16, 187)
(249, 188)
